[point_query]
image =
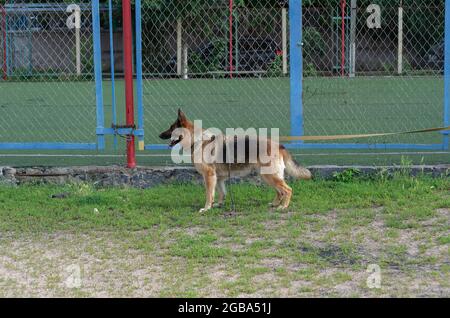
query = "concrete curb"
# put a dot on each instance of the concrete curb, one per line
(147, 177)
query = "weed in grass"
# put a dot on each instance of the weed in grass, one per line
(443, 240)
(347, 175)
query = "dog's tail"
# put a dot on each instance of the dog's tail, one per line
(293, 168)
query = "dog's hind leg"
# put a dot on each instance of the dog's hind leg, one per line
(210, 184)
(286, 200)
(279, 195)
(277, 201)
(284, 192)
(221, 187)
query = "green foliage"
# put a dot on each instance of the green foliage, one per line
(346, 176)
(276, 67)
(310, 70)
(388, 68)
(313, 43)
(444, 240)
(405, 164)
(198, 64)
(407, 67)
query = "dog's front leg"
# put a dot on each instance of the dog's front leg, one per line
(210, 184)
(222, 192)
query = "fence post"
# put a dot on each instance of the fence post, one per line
(352, 71)
(230, 37)
(400, 39)
(98, 73)
(128, 68)
(179, 47)
(284, 38)
(447, 74)
(139, 88)
(77, 13)
(236, 41)
(296, 66)
(343, 15)
(185, 62)
(3, 26)
(78, 50)
(8, 45)
(111, 56)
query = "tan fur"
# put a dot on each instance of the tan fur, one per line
(293, 169)
(216, 174)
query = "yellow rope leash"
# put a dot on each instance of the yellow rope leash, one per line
(359, 136)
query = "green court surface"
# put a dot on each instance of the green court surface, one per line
(63, 111)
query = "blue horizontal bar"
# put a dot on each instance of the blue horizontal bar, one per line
(157, 147)
(120, 131)
(339, 146)
(47, 146)
(366, 146)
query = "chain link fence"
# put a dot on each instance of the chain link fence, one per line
(220, 62)
(47, 67)
(374, 68)
(367, 67)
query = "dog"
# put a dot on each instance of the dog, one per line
(215, 172)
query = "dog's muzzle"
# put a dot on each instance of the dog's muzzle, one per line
(174, 142)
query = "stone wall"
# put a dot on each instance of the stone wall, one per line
(147, 177)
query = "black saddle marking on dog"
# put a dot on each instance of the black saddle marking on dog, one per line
(247, 158)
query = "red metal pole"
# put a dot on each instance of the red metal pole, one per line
(5, 67)
(231, 38)
(128, 66)
(343, 5)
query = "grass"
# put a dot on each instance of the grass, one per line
(65, 111)
(131, 242)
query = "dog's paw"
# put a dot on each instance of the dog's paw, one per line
(282, 208)
(218, 205)
(203, 210)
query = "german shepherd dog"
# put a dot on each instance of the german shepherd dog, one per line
(215, 174)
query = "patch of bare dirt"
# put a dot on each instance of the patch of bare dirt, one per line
(68, 264)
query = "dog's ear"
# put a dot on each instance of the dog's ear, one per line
(181, 116)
